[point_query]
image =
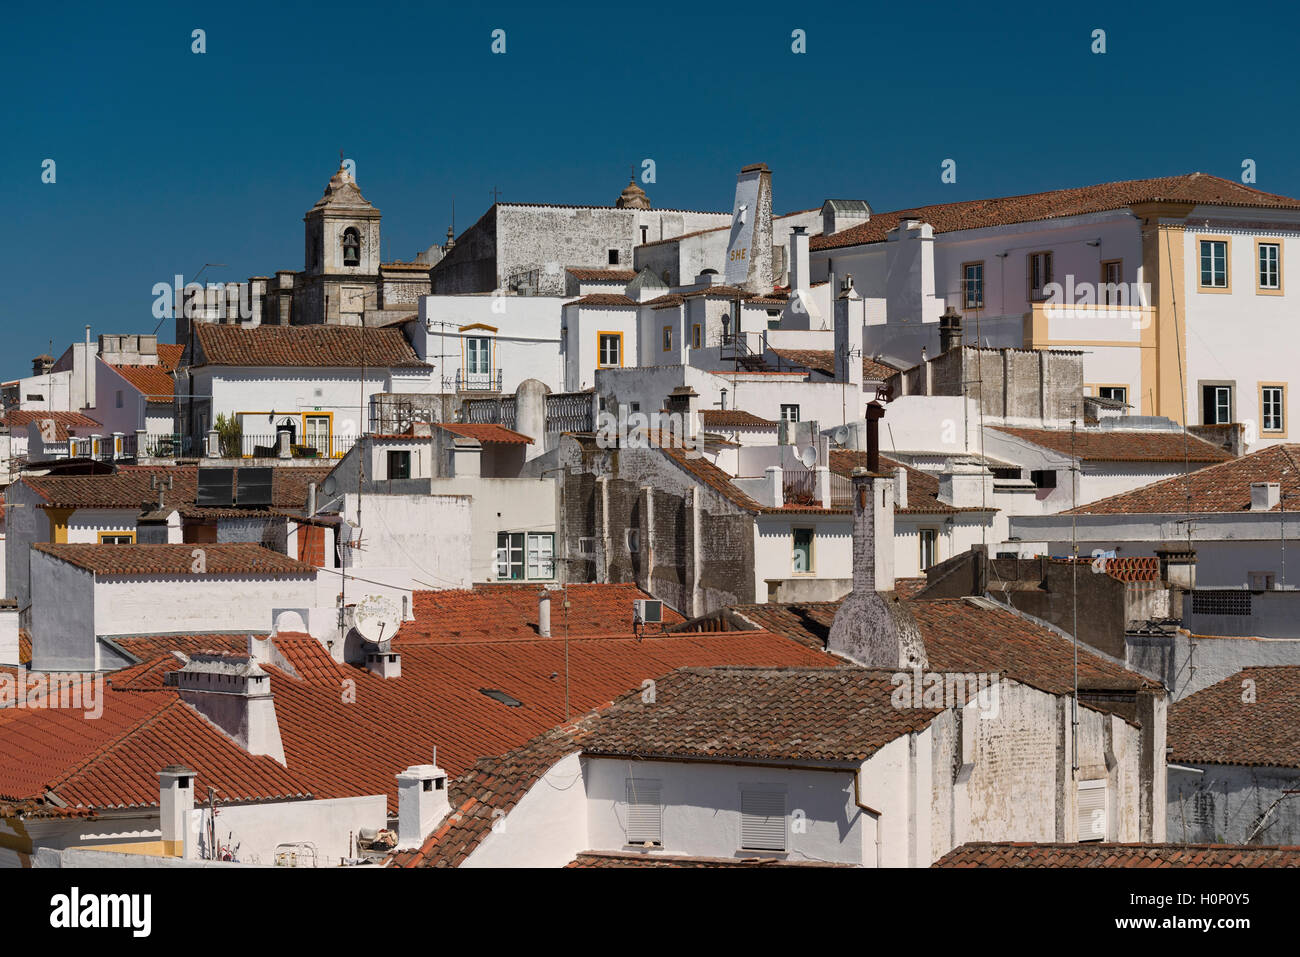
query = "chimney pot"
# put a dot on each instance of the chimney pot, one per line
(422, 802)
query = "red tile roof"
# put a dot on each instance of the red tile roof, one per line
(1122, 445)
(318, 346)
(509, 613)
(131, 487)
(154, 382)
(169, 356)
(1215, 726)
(486, 432)
(1215, 488)
(245, 558)
(19, 419)
(1199, 188)
(839, 715)
(964, 635)
(1101, 854)
(601, 275)
(734, 419)
(823, 360)
(603, 299)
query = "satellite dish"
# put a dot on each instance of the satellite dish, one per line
(329, 485)
(808, 456)
(377, 618)
(841, 435)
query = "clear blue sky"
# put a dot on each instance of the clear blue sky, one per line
(167, 159)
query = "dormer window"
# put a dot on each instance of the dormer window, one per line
(351, 247)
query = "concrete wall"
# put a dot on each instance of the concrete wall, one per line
(501, 505)
(1188, 663)
(546, 828)
(1227, 803)
(526, 343)
(63, 622)
(429, 534)
(253, 832)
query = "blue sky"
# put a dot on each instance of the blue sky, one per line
(167, 159)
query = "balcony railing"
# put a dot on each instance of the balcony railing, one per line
(474, 381)
(799, 487)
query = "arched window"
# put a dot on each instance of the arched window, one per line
(351, 247)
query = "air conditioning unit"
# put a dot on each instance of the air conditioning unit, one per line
(648, 611)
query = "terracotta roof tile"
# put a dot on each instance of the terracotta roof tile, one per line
(486, 432)
(823, 360)
(245, 558)
(603, 299)
(169, 356)
(131, 487)
(19, 419)
(1098, 854)
(153, 382)
(601, 275)
(841, 714)
(1215, 488)
(632, 859)
(509, 613)
(922, 486)
(318, 346)
(1215, 726)
(1198, 188)
(734, 419)
(1122, 445)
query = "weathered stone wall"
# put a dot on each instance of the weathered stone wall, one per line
(1226, 803)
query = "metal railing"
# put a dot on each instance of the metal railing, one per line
(841, 491)
(799, 487)
(474, 381)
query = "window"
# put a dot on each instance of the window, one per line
(610, 349)
(803, 551)
(645, 232)
(668, 338)
(762, 820)
(1214, 263)
(478, 355)
(1117, 392)
(399, 464)
(1261, 581)
(613, 257)
(972, 285)
(1040, 274)
(929, 540)
(351, 247)
(119, 398)
(1092, 810)
(1269, 257)
(645, 813)
(1112, 279)
(1043, 478)
(316, 433)
(117, 538)
(541, 555)
(510, 555)
(695, 336)
(790, 412)
(1272, 402)
(1216, 404)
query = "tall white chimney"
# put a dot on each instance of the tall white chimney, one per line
(544, 613)
(422, 802)
(234, 693)
(798, 258)
(175, 801)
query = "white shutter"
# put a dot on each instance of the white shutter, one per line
(644, 812)
(762, 820)
(1092, 811)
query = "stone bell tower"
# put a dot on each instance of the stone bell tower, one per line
(340, 277)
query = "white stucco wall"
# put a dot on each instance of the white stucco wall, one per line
(546, 828)
(254, 831)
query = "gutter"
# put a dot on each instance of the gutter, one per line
(875, 815)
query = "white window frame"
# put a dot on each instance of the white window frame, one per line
(1218, 263)
(790, 412)
(758, 822)
(927, 540)
(478, 355)
(511, 555)
(541, 555)
(645, 812)
(1270, 270)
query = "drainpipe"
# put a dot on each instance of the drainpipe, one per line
(875, 815)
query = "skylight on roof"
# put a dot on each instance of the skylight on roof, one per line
(501, 696)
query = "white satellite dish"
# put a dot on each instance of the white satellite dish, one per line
(841, 435)
(376, 618)
(808, 456)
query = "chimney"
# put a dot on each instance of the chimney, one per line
(950, 333)
(684, 401)
(530, 415)
(900, 487)
(234, 693)
(383, 662)
(798, 258)
(1264, 496)
(544, 613)
(847, 309)
(872, 628)
(422, 803)
(175, 801)
(1177, 566)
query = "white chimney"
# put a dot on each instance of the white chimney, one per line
(383, 662)
(1264, 496)
(798, 258)
(900, 487)
(544, 613)
(234, 693)
(175, 801)
(422, 803)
